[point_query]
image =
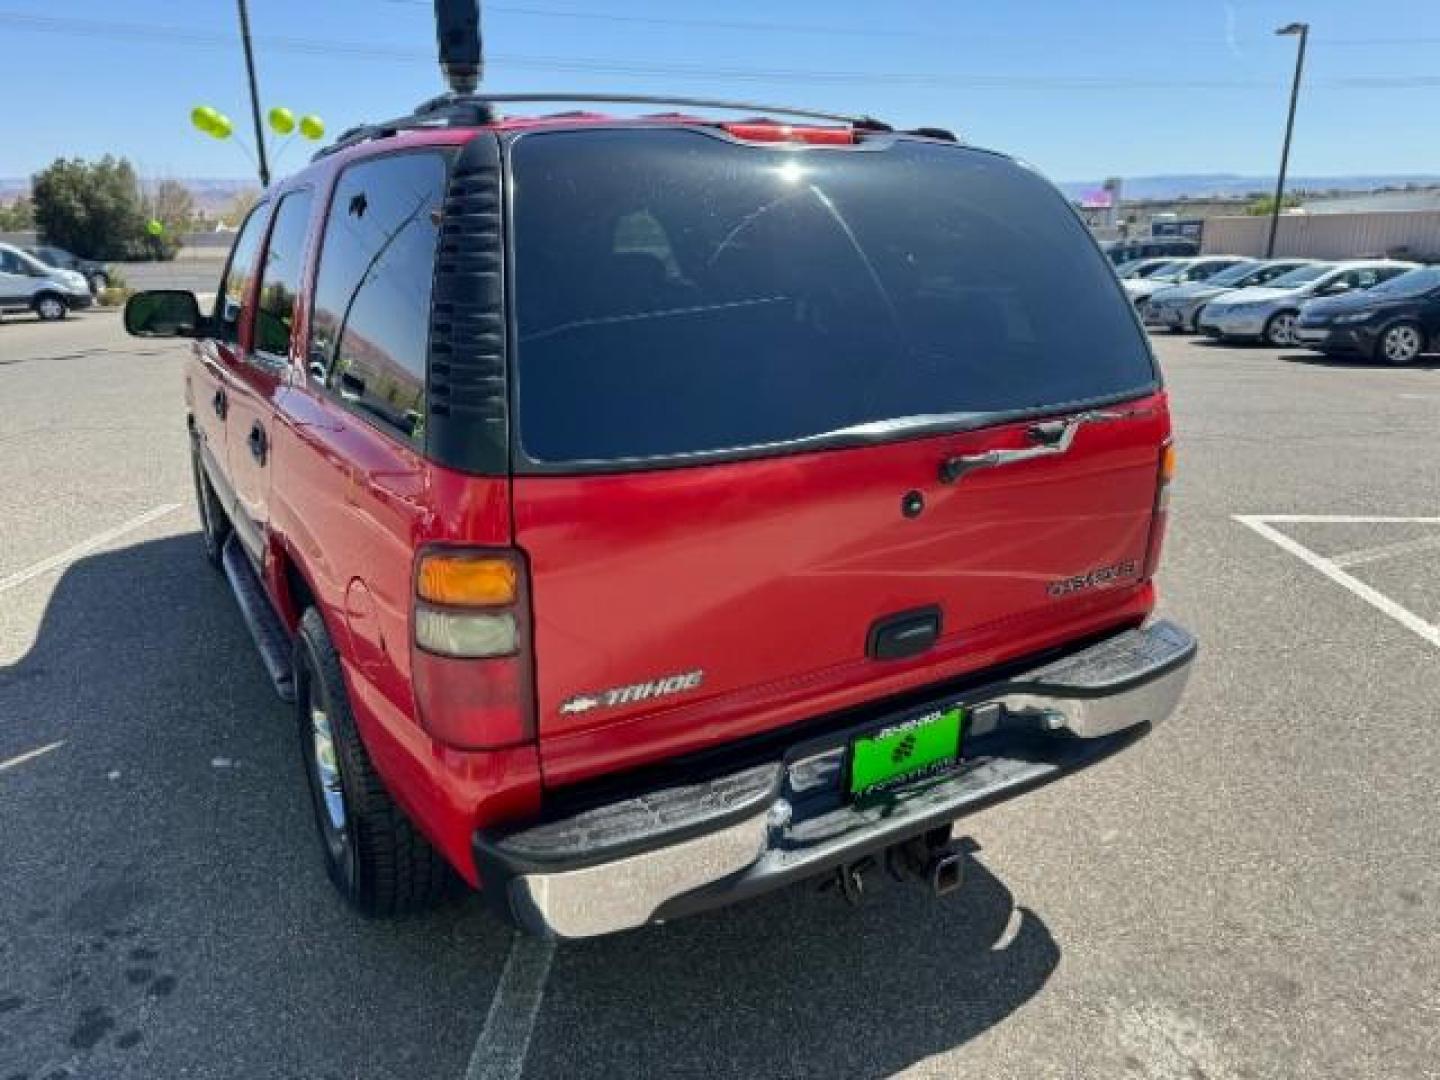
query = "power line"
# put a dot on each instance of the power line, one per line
(151, 35)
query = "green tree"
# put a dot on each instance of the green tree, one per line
(172, 205)
(1264, 205)
(18, 216)
(92, 208)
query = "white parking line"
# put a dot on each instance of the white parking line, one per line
(504, 1041)
(1374, 597)
(1386, 551)
(70, 554)
(1336, 519)
(30, 755)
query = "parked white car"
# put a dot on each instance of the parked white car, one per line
(27, 284)
(1268, 314)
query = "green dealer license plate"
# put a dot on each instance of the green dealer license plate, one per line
(906, 751)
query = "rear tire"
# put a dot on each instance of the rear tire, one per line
(50, 307)
(214, 524)
(1400, 344)
(1280, 329)
(374, 855)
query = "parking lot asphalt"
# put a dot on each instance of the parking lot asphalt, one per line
(1249, 892)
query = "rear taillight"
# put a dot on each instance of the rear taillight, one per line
(471, 654)
(817, 136)
(1160, 516)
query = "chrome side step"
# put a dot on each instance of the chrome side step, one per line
(271, 637)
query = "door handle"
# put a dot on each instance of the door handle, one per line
(220, 402)
(258, 443)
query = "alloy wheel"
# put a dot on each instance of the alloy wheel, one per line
(326, 784)
(1282, 329)
(1401, 344)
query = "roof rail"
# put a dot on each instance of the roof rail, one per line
(451, 110)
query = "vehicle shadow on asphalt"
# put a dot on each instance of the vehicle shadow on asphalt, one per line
(174, 914)
(1202, 342)
(796, 984)
(1315, 359)
(163, 906)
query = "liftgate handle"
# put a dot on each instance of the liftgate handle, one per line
(1055, 438)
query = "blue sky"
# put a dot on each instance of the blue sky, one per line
(1082, 89)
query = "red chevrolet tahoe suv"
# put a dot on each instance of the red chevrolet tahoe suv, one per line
(645, 513)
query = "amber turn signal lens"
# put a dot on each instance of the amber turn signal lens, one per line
(1167, 463)
(466, 580)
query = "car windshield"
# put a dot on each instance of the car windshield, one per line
(1232, 275)
(1142, 268)
(1411, 283)
(1169, 271)
(1301, 275)
(679, 293)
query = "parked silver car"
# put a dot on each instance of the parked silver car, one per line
(1176, 307)
(1179, 272)
(1268, 313)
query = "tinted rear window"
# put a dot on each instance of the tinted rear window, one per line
(677, 293)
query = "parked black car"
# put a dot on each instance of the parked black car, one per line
(93, 272)
(1393, 323)
(1147, 247)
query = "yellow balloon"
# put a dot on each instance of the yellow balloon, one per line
(203, 117)
(282, 120)
(312, 127)
(221, 127)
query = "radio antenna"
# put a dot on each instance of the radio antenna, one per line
(457, 33)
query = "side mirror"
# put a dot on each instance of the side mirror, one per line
(1338, 288)
(163, 313)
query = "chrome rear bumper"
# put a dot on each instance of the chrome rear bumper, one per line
(673, 850)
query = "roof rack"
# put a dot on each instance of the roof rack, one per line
(466, 110)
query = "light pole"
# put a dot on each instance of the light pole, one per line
(1303, 31)
(255, 94)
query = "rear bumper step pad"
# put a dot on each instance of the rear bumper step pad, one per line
(673, 851)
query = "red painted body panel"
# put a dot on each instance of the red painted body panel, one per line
(768, 574)
(353, 509)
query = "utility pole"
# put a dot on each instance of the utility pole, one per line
(255, 94)
(1303, 30)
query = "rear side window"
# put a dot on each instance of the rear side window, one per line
(371, 324)
(280, 281)
(677, 293)
(234, 292)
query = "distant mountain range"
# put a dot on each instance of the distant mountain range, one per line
(1212, 185)
(211, 194)
(215, 193)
